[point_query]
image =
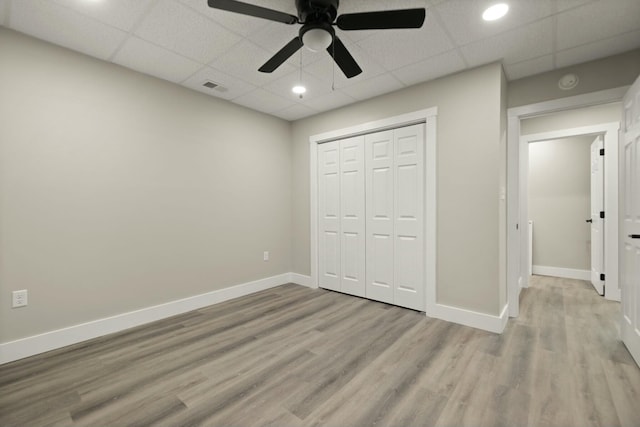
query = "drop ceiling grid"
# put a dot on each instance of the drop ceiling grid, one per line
(186, 42)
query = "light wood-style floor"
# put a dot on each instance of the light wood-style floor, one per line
(292, 356)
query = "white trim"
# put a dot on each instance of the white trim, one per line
(474, 319)
(567, 273)
(301, 279)
(516, 259)
(427, 116)
(25, 347)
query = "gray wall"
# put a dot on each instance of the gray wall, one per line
(607, 73)
(579, 117)
(470, 160)
(559, 202)
(119, 191)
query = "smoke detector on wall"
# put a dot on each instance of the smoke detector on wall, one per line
(568, 81)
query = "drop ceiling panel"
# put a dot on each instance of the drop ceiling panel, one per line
(230, 87)
(330, 101)
(239, 24)
(430, 68)
(599, 49)
(243, 61)
(4, 12)
(148, 58)
(262, 100)
(597, 21)
(517, 45)
(529, 67)
(49, 21)
(122, 14)
(463, 18)
(295, 112)
(397, 48)
(375, 86)
(181, 30)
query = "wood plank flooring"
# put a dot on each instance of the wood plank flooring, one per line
(292, 356)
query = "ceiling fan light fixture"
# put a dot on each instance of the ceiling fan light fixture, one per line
(495, 12)
(316, 39)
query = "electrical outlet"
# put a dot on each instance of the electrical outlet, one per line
(20, 298)
(265, 256)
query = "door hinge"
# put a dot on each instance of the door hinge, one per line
(602, 151)
(602, 214)
(602, 276)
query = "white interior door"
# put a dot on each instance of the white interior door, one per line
(329, 216)
(630, 236)
(352, 219)
(597, 206)
(409, 289)
(379, 189)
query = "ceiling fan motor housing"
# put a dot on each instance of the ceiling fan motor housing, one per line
(317, 11)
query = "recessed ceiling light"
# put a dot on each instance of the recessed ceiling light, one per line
(299, 89)
(496, 11)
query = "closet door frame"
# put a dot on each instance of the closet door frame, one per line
(428, 118)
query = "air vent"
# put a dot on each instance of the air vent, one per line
(214, 86)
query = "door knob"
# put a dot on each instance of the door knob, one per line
(589, 220)
(634, 236)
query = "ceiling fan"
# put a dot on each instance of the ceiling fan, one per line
(317, 18)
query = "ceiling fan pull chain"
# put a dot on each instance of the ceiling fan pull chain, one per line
(301, 71)
(333, 69)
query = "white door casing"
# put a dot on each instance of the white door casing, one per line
(352, 219)
(380, 219)
(329, 273)
(597, 222)
(630, 216)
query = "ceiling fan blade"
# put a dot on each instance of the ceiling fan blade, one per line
(253, 10)
(383, 20)
(343, 58)
(283, 54)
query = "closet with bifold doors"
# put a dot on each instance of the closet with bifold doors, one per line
(371, 216)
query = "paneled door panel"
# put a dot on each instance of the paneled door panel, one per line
(379, 210)
(630, 238)
(352, 216)
(409, 287)
(329, 256)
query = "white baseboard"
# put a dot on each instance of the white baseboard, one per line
(474, 319)
(25, 347)
(301, 279)
(567, 273)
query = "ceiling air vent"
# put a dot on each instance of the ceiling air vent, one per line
(214, 86)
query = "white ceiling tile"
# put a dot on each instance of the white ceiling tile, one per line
(243, 61)
(283, 86)
(122, 14)
(373, 87)
(562, 5)
(295, 112)
(230, 87)
(599, 49)
(529, 67)
(517, 45)
(181, 30)
(4, 12)
(597, 21)
(430, 68)
(396, 48)
(330, 101)
(148, 58)
(327, 70)
(240, 24)
(463, 18)
(264, 101)
(49, 21)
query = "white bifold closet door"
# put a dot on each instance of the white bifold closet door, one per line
(395, 216)
(371, 216)
(342, 223)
